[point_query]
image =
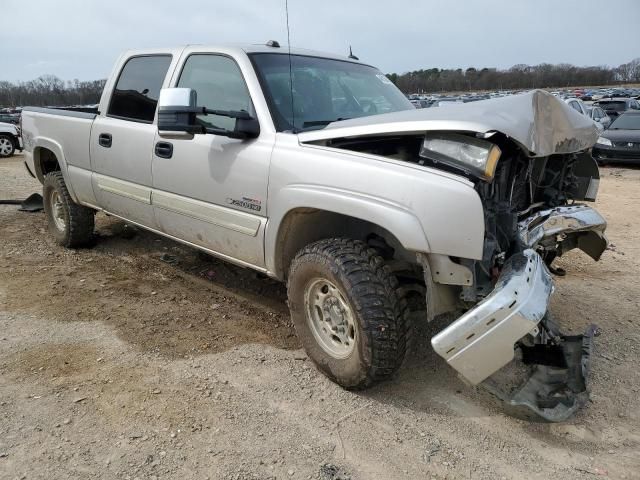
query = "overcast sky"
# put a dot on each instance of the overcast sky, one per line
(82, 38)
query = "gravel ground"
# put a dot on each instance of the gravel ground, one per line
(140, 358)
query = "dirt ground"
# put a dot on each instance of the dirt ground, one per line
(141, 359)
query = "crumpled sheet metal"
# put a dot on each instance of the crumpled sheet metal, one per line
(542, 124)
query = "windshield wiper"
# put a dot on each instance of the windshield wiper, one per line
(321, 123)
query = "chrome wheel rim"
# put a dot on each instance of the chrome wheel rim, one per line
(5, 146)
(57, 211)
(330, 318)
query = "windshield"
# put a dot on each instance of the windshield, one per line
(324, 90)
(615, 106)
(629, 121)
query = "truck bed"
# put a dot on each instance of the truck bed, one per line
(78, 112)
(66, 133)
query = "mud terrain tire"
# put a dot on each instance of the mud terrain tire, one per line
(71, 224)
(365, 289)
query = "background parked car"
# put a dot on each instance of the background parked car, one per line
(621, 142)
(10, 139)
(617, 106)
(599, 116)
(578, 105)
(420, 103)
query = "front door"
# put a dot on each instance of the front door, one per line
(122, 140)
(211, 190)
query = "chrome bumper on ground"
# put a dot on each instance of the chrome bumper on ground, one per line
(482, 340)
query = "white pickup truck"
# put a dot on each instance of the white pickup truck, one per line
(317, 171)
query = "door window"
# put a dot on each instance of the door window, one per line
(136, 93)
(219, 85)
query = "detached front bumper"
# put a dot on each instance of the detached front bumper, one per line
(514, 314)
(481, 341)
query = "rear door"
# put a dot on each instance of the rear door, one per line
(122, 139)
(211, 190)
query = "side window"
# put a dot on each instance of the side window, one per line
(576, 106)
(219, 85)
(136, 93)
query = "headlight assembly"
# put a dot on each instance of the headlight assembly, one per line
(472, 155)
(604, 141)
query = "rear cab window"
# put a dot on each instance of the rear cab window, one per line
(135, 95)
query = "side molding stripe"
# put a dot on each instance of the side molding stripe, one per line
(224, 217)
(124, 189)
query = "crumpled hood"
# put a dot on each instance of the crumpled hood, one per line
(538, 121)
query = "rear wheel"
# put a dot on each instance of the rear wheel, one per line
(348, 312)
(71, 224)
(7, 146)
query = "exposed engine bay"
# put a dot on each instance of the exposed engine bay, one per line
(523, 193)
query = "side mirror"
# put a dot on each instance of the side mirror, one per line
(178, 110)
(247, 127)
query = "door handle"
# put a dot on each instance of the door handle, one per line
(164, 149)
(105, 140)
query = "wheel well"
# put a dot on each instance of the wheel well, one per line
(45, 161)
(303, 226)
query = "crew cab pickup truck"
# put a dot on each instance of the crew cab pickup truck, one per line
(317, 171)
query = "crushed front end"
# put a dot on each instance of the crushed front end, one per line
(528, 157)
(533, 214)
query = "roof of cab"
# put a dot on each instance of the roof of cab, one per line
(261, 48)
(245, 48)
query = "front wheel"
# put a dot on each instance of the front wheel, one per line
(347, 311)
(71, 224)
(7, 146)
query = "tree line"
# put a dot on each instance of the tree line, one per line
(49, 90)
(518, 77)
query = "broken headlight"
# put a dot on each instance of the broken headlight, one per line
(472, 155)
